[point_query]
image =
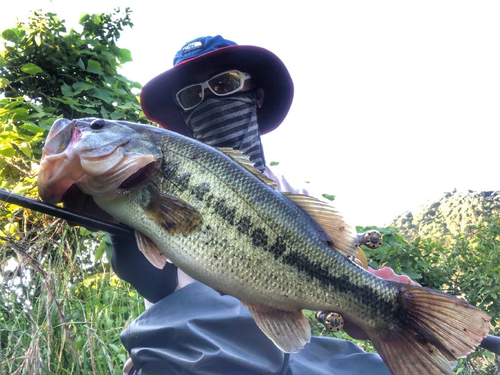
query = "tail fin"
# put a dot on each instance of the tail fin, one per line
(432, 331)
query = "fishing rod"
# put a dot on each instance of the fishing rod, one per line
(82, 219)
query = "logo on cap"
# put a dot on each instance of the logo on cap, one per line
(192, 46)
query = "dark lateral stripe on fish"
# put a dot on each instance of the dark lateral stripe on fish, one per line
(170, 169)
(259, 238)
(200, 191)
(244, 225)
(222, 209)
(341, 284)
(182, 181)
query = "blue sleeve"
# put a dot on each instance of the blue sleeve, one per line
(197, 331)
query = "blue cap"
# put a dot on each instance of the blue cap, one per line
(209, 54)
(200, 46)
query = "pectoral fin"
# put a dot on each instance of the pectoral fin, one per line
(289, 330)
(150, 250)
(172, 214)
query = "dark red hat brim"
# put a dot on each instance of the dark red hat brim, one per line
(266, 69)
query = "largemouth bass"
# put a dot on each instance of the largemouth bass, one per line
(222, 223)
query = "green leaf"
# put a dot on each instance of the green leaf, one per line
(81, 64)
(7, 150)
(274, 163)
(100, 251)
(68, 101)
(31, 69)
(117, 115)
(32, 128)
(329, 197)
(96, 19)
(25, 149)
(20, 114)
(124, 55)
(10, 34)
(14, 104)
(94, 67)
(109, 56)
(89, 111)
(103, 94)
(4, 82)
(82, 86)
(83, 18)
(67, 90)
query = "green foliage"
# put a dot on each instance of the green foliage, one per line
(421, 260)
(69, 74)
(60, 313)
(60, 300)
(453, 214)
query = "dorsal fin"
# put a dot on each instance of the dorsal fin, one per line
(244, 161)
(329, 220)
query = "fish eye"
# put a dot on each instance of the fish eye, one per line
(97, 124)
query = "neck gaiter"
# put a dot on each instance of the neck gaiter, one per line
(229, 121)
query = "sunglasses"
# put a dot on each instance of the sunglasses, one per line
(222, 84)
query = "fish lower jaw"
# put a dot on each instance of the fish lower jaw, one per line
(55, 181)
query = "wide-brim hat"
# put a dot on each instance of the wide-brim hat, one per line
(208, 53)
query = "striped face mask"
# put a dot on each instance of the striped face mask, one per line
(229, 121)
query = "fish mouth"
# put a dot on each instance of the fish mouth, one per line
(138, 177)
(58, 167)
(97, 163)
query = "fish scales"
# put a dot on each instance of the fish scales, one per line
(277, 258)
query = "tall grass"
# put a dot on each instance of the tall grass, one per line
(61, 311)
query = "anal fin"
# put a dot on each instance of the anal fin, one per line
(150, 250)
(289, 330)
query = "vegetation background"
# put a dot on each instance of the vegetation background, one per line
(62, 308)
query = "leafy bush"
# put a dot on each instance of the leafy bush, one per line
(61, 309)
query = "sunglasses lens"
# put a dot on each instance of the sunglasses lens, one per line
(225, 83)
(190, 96)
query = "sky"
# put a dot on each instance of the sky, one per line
(396, 102)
